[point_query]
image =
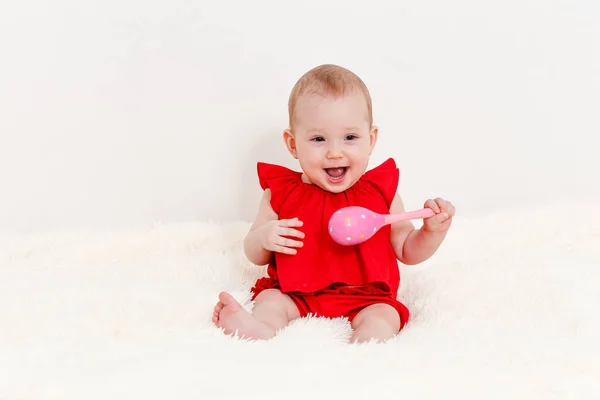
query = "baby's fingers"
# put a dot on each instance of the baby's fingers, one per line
(433, 205)
(285, 250)
(291, 232)
(290, 223)
(451, 210)
(441, 217)
(288, 242)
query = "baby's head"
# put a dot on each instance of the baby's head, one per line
(331, 130)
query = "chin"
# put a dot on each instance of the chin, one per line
(334, 189)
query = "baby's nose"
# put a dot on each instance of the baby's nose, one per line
(334, 153)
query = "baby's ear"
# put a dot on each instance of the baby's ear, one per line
(290, 142)
(373, 135)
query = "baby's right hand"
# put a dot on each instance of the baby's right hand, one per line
(273, 235)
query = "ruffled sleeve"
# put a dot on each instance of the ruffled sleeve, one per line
(384, 178)
(279, 180)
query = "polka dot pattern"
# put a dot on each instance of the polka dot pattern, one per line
(350, 225)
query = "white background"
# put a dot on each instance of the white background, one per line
(133, 112)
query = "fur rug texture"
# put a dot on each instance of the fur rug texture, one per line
(509, 307)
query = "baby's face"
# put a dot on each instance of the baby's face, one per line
(332, 139)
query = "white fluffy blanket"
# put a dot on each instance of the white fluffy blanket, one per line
(508, 308)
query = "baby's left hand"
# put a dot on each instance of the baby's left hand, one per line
(443, 219)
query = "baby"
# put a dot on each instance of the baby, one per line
(331, 134)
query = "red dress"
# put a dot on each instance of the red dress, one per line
(324, 278)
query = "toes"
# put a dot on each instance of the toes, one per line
(226, 299)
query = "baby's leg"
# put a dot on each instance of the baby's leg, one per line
(272, 311)
(377, 321)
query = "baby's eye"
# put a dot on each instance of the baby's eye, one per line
(351, 137)
(318, 139)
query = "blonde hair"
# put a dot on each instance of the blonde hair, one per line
(328, 80)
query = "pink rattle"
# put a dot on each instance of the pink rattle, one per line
(353, 225)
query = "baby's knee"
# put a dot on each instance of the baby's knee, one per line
(274, 301)
(381, 317)
(270, 296)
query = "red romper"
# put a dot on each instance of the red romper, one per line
(324, 278)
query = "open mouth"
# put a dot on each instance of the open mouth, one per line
(336, 174)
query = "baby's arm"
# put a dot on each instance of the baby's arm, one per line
(253, 248)
(412, 246)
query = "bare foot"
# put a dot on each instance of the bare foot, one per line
(232, 317)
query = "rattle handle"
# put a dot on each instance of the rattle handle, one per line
(423, 213)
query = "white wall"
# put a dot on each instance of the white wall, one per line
(128, 112)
